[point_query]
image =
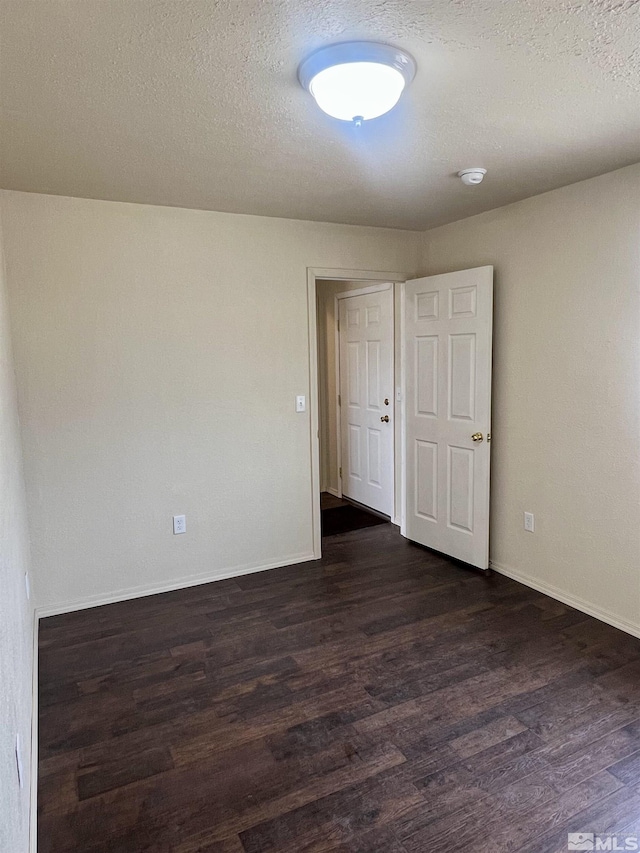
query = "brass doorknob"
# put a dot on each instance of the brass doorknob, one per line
(477, 436)
(385, 419)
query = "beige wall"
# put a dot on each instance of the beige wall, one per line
(566, 386)
(159, 352)
(16, 619)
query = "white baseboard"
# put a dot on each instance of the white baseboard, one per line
(33, 758)
(566, 598)
(168, 586)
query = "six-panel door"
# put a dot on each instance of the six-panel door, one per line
(366, 389)
(447, 353)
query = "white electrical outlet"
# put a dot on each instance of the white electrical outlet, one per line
(27, 585)
(529, 522)
(19, 767)
(179, 524)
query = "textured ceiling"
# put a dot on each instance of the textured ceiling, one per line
(195, 103)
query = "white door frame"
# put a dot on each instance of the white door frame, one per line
(314, 273)
(361, 291)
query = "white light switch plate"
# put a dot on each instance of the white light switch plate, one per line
(301, 403)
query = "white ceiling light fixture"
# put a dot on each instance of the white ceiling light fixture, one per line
(357, 81)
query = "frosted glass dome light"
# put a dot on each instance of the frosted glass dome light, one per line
(357, 81)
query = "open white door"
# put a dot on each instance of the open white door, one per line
(448, 327)
(366, 391)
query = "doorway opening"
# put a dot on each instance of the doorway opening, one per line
(355, 325)
(440, 411)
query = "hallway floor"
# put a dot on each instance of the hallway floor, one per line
(343, 516)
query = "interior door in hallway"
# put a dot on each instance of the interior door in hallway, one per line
(366, 398)
(448, 323)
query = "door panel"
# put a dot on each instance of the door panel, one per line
(374, 400)
(366, 382)
(426, 479)
(460, 487)
(353, 454)
(353, 382)
(426, 371)
(462, 377)
(448, 322)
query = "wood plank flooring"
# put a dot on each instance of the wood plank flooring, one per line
(329, 501)
(382, 700)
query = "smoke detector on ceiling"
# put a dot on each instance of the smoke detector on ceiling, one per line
(471, 177)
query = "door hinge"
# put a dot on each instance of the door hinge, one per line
(339, 399)
(340, 473)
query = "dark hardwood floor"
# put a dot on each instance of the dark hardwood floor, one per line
(383, 700)
(329, 501)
